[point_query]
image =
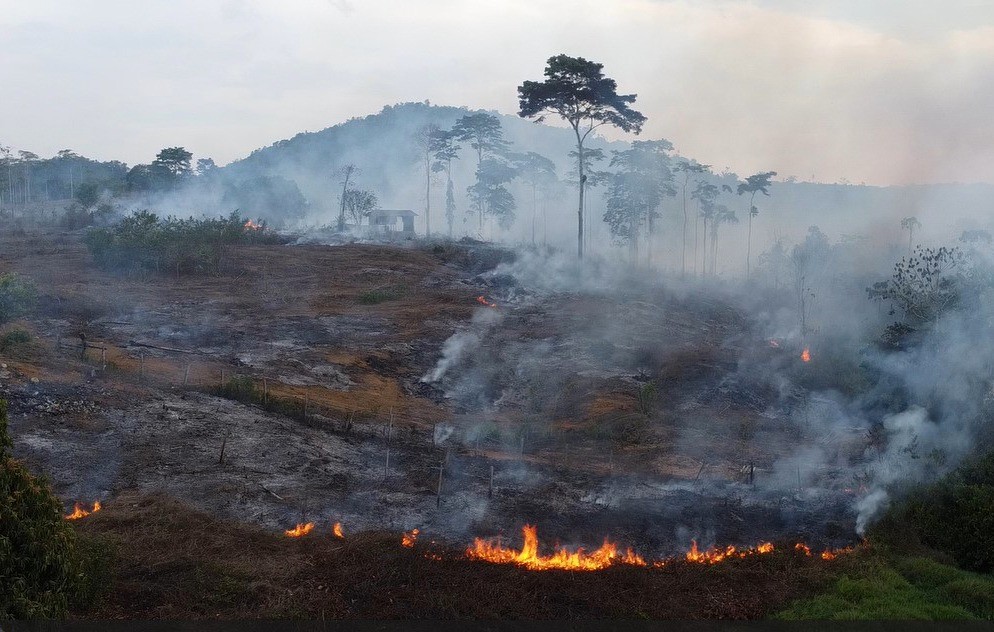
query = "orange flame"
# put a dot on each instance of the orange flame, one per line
(302, 529)
(78, 511)
(806, 355)
(337, 530)
(715, 555)
(483, 301)
(250, 225)
(409, 538)
(530, 558)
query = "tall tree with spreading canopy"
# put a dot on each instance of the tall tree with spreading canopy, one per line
(756, 183)
(637, 189)
(485, 135)
(576, 90)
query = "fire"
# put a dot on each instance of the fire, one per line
(78, 511)
(774, 343)
(337, 530)
(806, 355)
(483, 301)
(250, 225)
(409, 538)
(715, 555)
(530, 558)
(827, 554)
(302, 529)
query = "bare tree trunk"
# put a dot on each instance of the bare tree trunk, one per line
(427, 193)
(683, 260)
(583, 182)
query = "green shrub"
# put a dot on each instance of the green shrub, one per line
(17, 297)
(13, 338)
(380, 295)
(143, 242)
(44, 570)
(955, 516)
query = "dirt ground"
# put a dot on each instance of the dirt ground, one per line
(542, 421)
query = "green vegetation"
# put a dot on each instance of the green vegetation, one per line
(144, 243)
(954, 516)
(17, 297)
(13, 338)
(44, 568)
(380, 295)
(883, 587)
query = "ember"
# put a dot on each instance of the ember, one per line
(337, 530)
(78, 511)
(300, 530)
(806, 355)
(409, 538)
(483, 301)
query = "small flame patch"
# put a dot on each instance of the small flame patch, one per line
(302, 529)
(78, 511)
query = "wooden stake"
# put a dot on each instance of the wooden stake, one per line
(438, 491)
(265, 392)
(224, 442)
(390, 427)
(103, 358)
(186, 375)
(386, 466)
(141, 371)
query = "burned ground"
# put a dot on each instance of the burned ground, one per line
(633, 412)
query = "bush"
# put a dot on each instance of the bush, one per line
(44, 570)
(955, 516)
(13, 338)
(17, 297)
(380, 295)
(143, 242)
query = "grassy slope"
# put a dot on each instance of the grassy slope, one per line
(170, 561)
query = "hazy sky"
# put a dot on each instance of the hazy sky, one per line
(881, 91)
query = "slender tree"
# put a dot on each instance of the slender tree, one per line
(721, 216)
(910, 224)
(427, 137)
(577, 91)
(536, 171)
(445, 149)
(705, 193)
(347, 172)
(688, 169)
(757, 183)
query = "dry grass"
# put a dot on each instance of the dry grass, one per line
(171, 561)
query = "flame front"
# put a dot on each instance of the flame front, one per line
(337, 530)
(250, 225)
(806, 355)
(78, 511)
(409, 538)
(302, 529)
(715, 555)
(530, 558)
(483, 301)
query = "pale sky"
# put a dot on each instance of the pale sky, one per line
(886, 92)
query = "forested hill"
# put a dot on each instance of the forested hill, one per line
(384, 148)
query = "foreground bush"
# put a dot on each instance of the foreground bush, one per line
(144, 242)
(955, 516)
(17, 297)
(44, 569)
